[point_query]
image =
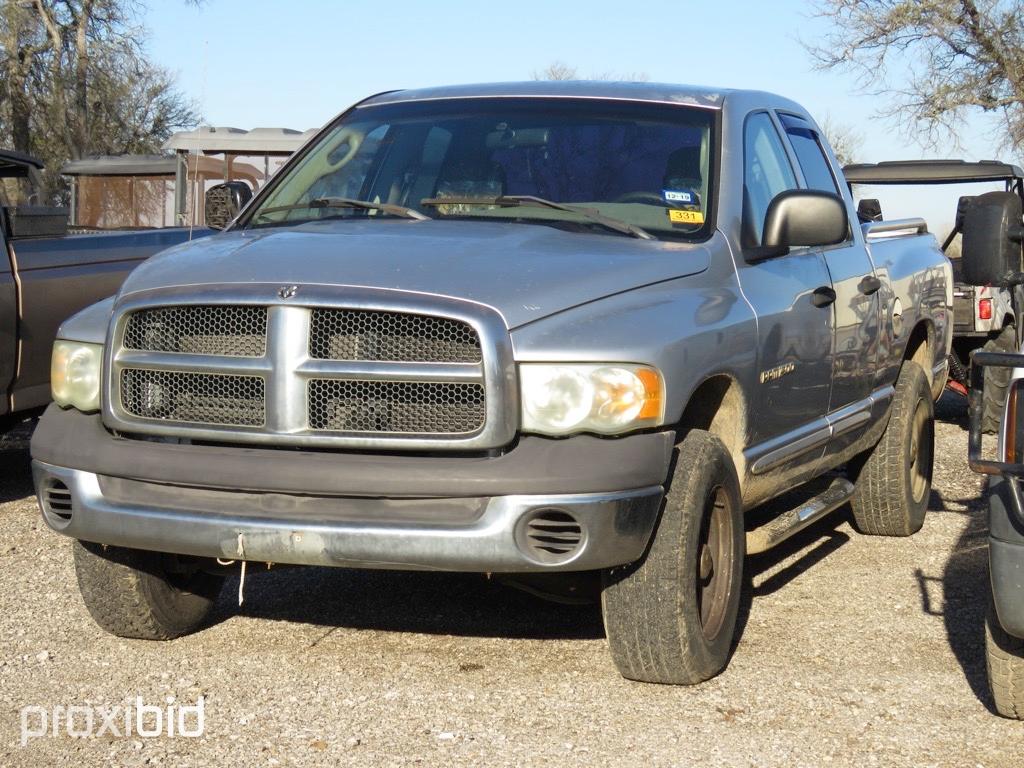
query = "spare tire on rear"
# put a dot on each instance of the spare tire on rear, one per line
(990, 254)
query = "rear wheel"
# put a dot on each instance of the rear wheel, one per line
(671, 617)
(997, 380)
(146, 595)
(894, 482)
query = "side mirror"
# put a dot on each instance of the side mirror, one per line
(224, 201)
(803, 217)
(992, 234)
(869, 209)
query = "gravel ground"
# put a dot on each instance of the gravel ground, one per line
(855, 651)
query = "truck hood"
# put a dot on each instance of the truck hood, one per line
(524, 271)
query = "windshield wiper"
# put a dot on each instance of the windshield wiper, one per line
(346, 202)
(511, 201)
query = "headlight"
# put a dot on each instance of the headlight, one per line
(75, 374)
(559, 399)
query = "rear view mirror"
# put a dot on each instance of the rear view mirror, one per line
(803, 217)
(520, 137)
(224, 201)
(992, 233)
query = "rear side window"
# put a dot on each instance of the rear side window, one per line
(766, 173)
(809, 153)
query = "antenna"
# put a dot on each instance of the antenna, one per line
(202, 109)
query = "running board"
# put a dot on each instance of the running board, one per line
(780, 528)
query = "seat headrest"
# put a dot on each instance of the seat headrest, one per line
(683, 168)
(472, 169)
(472, 177)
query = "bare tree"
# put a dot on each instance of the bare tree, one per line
(75, 81)
(936, 60)
(559, 70)
(844, 140)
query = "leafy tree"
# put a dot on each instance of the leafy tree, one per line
(76, 81)
(936, 60)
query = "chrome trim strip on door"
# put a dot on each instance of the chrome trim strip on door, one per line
(779, 450)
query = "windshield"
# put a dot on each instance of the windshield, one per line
(647, 165)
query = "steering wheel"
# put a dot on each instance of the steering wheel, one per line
(651, 198)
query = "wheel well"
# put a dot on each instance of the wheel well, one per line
(919, 347)
(717, 405)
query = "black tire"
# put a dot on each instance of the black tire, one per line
(997, 380)
(894, 482)
(671, 616)
(1004, 660)
(145, 595)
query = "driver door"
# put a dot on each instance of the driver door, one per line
(789, 295)
(856, 310)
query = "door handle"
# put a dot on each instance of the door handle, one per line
(823, 296)
(870, 284)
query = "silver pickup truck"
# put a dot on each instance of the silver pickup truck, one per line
(539, 329)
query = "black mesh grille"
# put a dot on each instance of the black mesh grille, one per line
(391, 336)
(233, 331)
(395, 406)
(201, 398)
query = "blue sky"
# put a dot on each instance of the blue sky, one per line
(252, 63)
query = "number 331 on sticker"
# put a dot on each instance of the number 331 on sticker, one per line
(685, 217)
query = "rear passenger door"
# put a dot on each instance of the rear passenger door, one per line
(855, 310)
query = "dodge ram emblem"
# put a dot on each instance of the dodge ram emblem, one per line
(287, 291)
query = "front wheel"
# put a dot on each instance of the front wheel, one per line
(671, 617)
(1004, 662)
(145, 595)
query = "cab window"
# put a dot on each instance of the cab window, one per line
(766, 173)
(810, 154)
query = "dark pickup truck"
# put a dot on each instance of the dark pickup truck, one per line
(48, 274)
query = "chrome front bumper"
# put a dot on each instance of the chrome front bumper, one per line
(510, 533)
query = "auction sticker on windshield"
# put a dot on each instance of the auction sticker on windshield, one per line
(677, 216)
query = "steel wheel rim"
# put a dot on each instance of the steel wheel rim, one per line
(714, 565)
(920, 453)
